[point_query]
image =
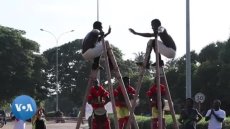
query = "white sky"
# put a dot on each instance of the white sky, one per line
(209, 21)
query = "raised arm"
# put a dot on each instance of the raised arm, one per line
(208, 115)
(141, 34)
(199, 117)
(109, 31)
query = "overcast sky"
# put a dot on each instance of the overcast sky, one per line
(210, 21)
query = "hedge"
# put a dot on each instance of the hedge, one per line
(144, 122)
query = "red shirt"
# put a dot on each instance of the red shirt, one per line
(98, 95)
(120, 101)
(152, 93)
(153, 90)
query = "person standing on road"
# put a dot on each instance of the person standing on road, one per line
(215, 116)
(189, 116)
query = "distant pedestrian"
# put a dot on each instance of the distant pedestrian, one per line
(189, 116)
(215, 116)
(3, 115)
(40, 122)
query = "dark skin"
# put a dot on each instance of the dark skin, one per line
(102, 32)
(189, 105)
(155, 27)
(216, 107)
(121, 97)
(103, 101)
(101, 35)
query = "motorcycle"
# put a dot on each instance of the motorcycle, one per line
(2, 121)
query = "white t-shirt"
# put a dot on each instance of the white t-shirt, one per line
(19, 124)
(213, 123)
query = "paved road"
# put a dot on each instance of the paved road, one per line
(50, 125)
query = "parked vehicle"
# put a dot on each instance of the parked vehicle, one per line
(59, 117)
(2, 120)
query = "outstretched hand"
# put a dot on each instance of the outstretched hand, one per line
(132, 31)
(109, 30)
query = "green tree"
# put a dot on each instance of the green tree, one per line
(20, 66)
(73, 70)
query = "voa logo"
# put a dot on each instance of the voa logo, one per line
(27, 107)
(24, 107)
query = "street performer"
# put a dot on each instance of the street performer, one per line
(92, 47)
(98, 97)
(121, 107)
(166, 45)
(152, 95)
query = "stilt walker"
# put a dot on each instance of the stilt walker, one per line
(167, 48)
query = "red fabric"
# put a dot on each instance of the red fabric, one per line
(95, 93)
(155, 123)
(118, 92)
(153, 90)
(123, 122)
(152, 93)
(98, 124)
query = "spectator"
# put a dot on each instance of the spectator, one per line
(189, 116)
(3, 115)
(40, 122)
(215, 116)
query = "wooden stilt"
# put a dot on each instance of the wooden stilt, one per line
(168, 95)
(92, 76)
(110, 84)
(142, 71)
(159, 104)
(138, 87)
(121, 83)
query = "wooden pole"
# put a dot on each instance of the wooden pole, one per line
(140, 78)
(119, 78)
(159, 104)
(92, 76)
(168, 95)
(110, 84)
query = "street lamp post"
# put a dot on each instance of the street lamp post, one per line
(56, 40)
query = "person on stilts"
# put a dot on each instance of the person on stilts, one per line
(166, 45)
(152, 95)
(121, 107)
(92, 47)
(98, 97)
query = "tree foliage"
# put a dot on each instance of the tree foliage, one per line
(20, 68)
(22, 71)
